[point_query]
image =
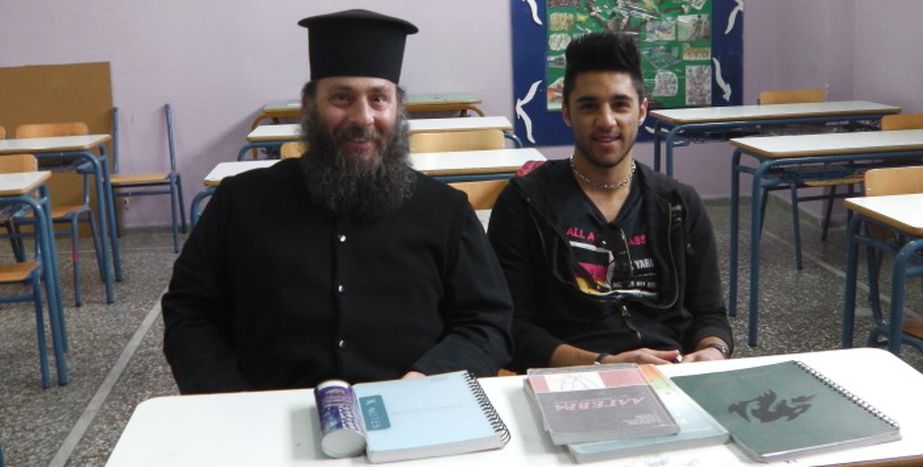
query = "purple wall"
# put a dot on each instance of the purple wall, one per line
(219, 66)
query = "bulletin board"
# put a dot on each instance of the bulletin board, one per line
(58, 93)
(691, 55)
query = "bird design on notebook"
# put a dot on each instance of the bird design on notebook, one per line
(768, 407)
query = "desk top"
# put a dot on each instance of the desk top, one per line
(418, 125)
(227, 169)
(18, 183)
(281, 428)
(826, 144)
(771, 111)
(902, 212)
(292, 131)
(52, 144)
(488, 161)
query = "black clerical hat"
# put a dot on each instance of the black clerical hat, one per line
(356, 43)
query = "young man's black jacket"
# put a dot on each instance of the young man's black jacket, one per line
(526, 233)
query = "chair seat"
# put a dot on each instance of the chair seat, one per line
(131, 179)
(16, 272)
(857, 178)
(913, 325)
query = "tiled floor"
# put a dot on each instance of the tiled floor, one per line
(116, 360)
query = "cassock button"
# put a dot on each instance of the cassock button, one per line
(340, 288)
(342, 238)
(341, 344)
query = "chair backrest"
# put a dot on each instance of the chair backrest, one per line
(482, 194)
(168, 117)
(2, 133)
(894, 181)
(291, 150)
(443, 141)
(792, 96)
(902, 122)
(18, 163)
(40, 130)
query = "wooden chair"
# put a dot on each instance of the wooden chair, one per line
(71, 214)
(443, 141)
(792, 96)
(891, 181)
(291, 150)
(2, 133)
(155, 183)
(481, 194)
(26, 272)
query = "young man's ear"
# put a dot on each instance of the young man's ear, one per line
(643, 111)
(565, 114)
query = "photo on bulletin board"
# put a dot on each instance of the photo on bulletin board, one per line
(691, 55)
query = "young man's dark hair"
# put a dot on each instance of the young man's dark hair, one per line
(603, 51)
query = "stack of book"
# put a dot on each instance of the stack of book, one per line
(610, 411)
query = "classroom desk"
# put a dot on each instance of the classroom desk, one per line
(218, 173)
(718, 121)
(820, 156)
(81, 148)
(902, 214)
(272, 136)
(280, 428)
(461, 102)
(455, 166)
(18, 189)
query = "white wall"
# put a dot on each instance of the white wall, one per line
(219, 62)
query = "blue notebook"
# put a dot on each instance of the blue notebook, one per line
(436, 415)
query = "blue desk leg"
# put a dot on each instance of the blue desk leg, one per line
(755, 227)
(852, 265)
(194, 209)
(45, 237)
(657, 139)
(898, 290)
(735, 221)
(110, 213)
(102, 205)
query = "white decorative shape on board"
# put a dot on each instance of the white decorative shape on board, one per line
(721, 82)
(649, 129)
(521, 113)
(732, 18)
(534, 9)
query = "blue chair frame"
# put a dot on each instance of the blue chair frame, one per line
(172, 180)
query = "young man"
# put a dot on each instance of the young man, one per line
(345, 263)
(606, 260)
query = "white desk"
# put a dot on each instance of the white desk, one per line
(17, 189)
(899, 213)
(691, 122)
(229, 169)
(214, 177)
(480, 164)
(82, 148)
(775, 155)
(280, 428)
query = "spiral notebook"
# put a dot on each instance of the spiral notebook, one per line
(436, 415)
(786, 410)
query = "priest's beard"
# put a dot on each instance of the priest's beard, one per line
(347, 186)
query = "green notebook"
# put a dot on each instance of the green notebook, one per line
(787, 410)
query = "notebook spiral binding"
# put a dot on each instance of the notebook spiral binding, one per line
(849, 395)
(489, 411)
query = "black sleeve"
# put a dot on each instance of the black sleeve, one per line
(476, 306)
(518, 246)
(704, 297)
(197, 310)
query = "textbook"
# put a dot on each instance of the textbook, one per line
(786, 410)
(437, 415)
(696, 427)
(599, 402)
